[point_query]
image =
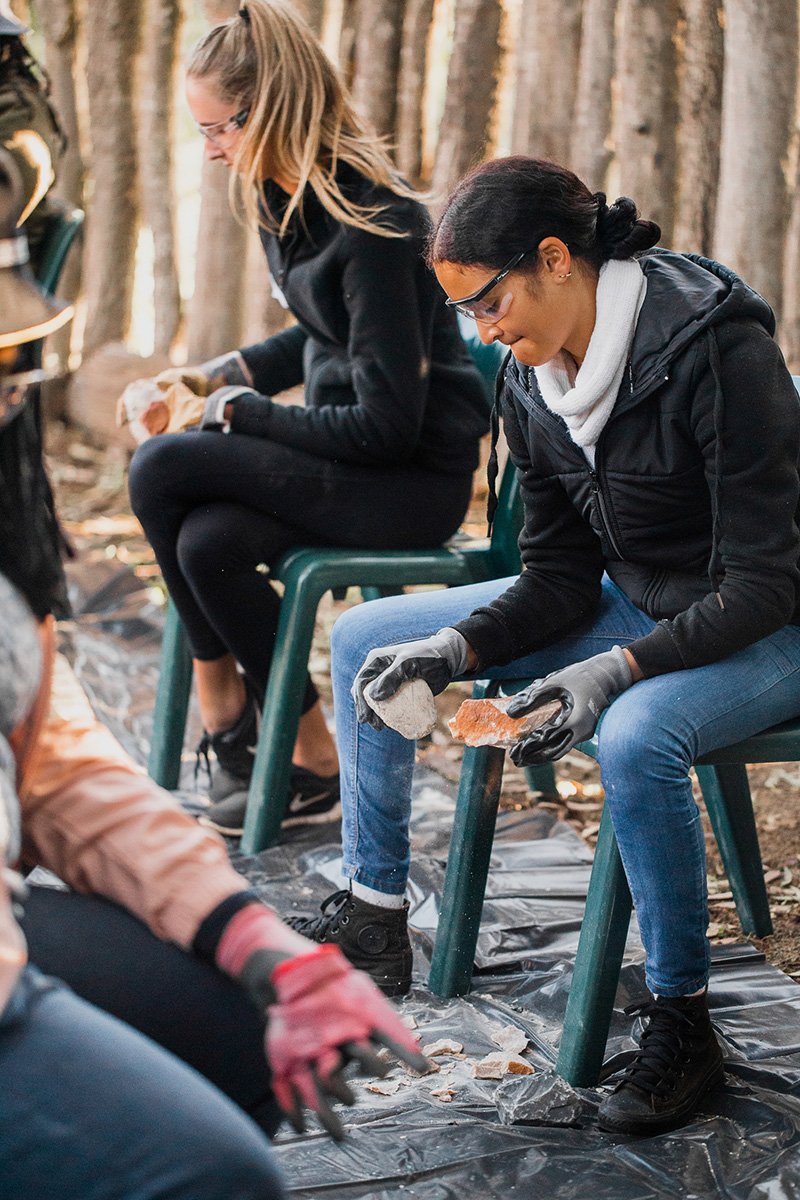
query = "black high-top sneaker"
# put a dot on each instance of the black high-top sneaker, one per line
(678, 1061)
(372, 938)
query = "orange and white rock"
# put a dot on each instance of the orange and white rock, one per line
(486, 723)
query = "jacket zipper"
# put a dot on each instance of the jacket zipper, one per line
(605, 522)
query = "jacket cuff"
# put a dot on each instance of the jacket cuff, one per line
(207, 938)
(657, 653)
(489, 639)
(252, 414)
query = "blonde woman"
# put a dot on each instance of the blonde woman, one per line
(383, 451)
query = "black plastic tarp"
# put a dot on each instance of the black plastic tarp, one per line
(743, 1145)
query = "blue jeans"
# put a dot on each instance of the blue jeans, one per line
(91, 1110)
(648, 740)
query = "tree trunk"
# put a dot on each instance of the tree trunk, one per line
(347, 40)
(60, 27)
(700, 105)
(112, 34)
(411, 86)
(164, 19)
(790, 325)
(314, 13)
(590, 153)
(217, 308)
(757, 115)
(216, 312)
(546, 78)
(646, 115)
(377, 61)
(471, 90)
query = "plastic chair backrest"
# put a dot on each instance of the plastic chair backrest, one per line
(62, 229)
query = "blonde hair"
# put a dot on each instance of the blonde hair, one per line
(302, 123)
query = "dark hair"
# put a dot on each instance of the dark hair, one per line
(510, 205)
(17, 62)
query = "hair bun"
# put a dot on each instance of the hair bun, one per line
(619, 232)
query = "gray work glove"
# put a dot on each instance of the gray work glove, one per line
(208, 376)
(213, 417)
(585, 689)
(436, 659)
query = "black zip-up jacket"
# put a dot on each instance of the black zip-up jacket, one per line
(692, 506)
(388, 380)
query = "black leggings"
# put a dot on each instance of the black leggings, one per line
(214, 507)
(111, 959)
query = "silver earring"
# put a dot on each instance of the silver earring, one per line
(565, 276)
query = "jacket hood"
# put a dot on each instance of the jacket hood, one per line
(686, 295)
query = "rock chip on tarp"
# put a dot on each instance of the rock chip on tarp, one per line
(541, 1099)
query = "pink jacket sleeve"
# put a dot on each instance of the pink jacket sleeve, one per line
(94, 818)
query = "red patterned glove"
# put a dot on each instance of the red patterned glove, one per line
(325, 1015)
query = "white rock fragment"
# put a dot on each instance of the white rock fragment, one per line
(495, 1066)
(510, 1038)
(384, 1087)
(443, 1046)
(432, 1068)
(409, 1020)
(444, 1094)
(411, 710)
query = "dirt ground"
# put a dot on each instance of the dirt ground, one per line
(91, 492)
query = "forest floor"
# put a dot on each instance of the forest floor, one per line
(91, 492)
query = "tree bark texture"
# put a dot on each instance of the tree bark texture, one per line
(216, 311)
(757, 116)
(377, 62)
(218, 305)
(112, 37)
(164, 20)
(60, 27)
(313, 11)
(646, 113)
(591, 153)
(548, 52)
(411, 86)
(789, 336)
(700, 127)
(471, 91)
(347, 40)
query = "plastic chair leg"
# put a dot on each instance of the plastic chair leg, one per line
(726, 791)
(269, 785)
(467, 866)
(172, 703)
(541, 779)
(597, 965)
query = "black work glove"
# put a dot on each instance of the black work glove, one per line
(436, 659)
(585, 689)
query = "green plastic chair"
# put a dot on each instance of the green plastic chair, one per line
(307, 574)
(726, 791)
(61, 231)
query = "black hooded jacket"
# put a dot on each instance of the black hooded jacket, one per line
(388, 380)
(692, 506)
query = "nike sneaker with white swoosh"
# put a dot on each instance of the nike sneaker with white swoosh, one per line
(312, 799)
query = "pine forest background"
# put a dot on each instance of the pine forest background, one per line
(688, 106)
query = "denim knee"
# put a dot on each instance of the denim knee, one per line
(637, 741)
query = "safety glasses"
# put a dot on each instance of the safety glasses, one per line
(495, 307)
(231, 125)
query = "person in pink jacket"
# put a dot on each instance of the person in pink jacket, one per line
(155, 933)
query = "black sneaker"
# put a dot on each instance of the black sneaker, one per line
(235, 751)
(678, 1061)
(374, 939)
(312, 799)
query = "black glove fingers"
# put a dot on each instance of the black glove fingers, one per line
(544, 745)
(410, 1057)
(325, 1114)
(524, 701)
(367, 1059)
(335, 1085)
(370, 671)
(295, 1115)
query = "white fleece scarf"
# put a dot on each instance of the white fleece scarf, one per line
(585, 397)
